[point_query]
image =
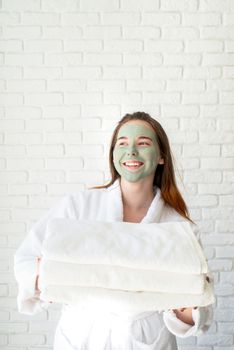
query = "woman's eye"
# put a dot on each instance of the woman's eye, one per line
(144, 143)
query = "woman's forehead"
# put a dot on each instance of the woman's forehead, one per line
(136, 129)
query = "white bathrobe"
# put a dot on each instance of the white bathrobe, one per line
(90, 328)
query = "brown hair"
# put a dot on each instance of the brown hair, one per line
(164, 177)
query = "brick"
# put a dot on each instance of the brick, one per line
(202, 151)
(165, 46)
(212, 137)
(145, 85)
(181, 5)
(21, 5)
(122, 98)
(199, 18)
(26, 339)
(28, 163)
(229, 46)
(106, 85)
(153, 97)
(9, 18)
(185, 85)
(80, 18)
(45, 150)
(23, 112)
(216, 5)
(59, 5)
(161, 19)
(217, 163)
(217, 32)
(82, 124)
(46, 177)
(82, 72)
(12, 125)
(121, 72)
(44, 125)
(26, 188)
(66, 85)
(43, 202)
(162, 72)
(199, 176)
(179, 111)
(63, 137)
(43, 45)
(61, 189)
(228, 150)
(11, 45)
(218, 213)
(228, 72)
(82, 151)
(4, 215)
(9, 99)
(203, 201)
(226, 200)
(12, 150)
(26, 85)
(93, 137)
(217, 111)
(201, 73)
(103, 111)
(222, 84)
(181, 59)
(13, 177)
(90, 178)
(21, 32)
(226, 97)
(83, 98)
(122, 18)
(228, 19)
(9, 201)
(69, 163)
(66, 59)
(225, 59)
(224, 226)
(219, 264)
(143, 59)
(46, 99)
(140, 5)
(203, 98)
(40, 18)
(65, 112)
(182, 33)
(96, 164)
(203, 46)
(100, 5)
(4, 316)
(102, 32)
(43, 73)
(103, 59)
(143, 32)
(68, 32)
(11, 327)
(123, 45)
(216, 339)
(83, 45)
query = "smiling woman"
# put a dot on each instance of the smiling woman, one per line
(142, 189)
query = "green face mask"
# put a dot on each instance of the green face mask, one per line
(134, 147)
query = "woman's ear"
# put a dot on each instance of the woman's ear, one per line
(161, 161)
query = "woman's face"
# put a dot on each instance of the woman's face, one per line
(136, 153)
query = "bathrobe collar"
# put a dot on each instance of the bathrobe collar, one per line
(115, 205)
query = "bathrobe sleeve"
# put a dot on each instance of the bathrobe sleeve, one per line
(202, 316)
(25, 259)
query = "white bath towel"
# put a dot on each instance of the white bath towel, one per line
(137, 267)
(169, 246)
(118, 277)
(122, 301)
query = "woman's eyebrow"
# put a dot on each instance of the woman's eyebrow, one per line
(140, 137)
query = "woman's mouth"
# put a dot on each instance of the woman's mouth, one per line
(133, 164)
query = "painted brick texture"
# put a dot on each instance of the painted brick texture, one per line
(69, 70)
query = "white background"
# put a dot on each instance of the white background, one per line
(70, 69)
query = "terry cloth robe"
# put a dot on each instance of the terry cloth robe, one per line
(89, 328)
(124, 265)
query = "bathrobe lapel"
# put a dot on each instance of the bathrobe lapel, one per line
(115, 205)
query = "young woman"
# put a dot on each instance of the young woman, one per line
(142, 189)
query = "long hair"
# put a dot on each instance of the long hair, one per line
(164, 177)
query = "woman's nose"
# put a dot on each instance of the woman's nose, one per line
(132, 151)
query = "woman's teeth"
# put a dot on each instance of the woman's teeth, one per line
(133, 164)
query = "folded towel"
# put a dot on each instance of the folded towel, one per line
(125, 266)
(169, 246)
(118, 277)
(122, 301)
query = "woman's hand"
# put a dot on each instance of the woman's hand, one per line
(185, 314)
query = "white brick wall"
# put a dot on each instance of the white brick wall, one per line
(69, 70)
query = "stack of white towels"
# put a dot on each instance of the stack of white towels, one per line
(124, 266)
